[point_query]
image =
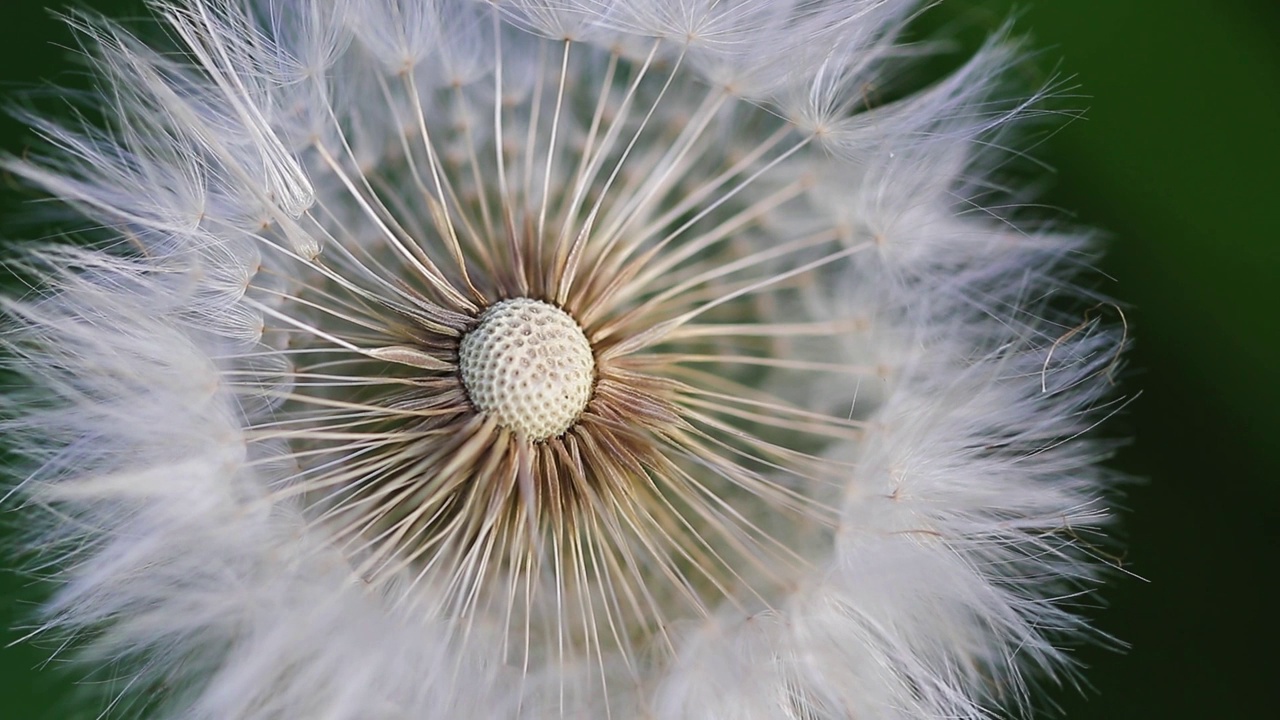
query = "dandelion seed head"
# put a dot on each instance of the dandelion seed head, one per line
(556, 359)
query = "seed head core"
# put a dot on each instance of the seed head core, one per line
(528, 365)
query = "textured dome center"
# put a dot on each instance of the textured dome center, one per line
(529, 366)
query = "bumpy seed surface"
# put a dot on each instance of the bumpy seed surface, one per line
(528, 365)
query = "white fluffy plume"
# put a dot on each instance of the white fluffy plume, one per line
(837, 459)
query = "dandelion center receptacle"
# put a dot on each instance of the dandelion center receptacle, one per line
(528, 365)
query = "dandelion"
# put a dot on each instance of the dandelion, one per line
(554, 358)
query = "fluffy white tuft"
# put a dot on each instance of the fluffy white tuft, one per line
(876, 493)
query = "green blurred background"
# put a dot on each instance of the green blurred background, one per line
(1177, 161)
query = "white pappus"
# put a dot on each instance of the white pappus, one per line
(554, 359)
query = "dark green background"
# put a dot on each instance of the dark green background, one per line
(1176, 160)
